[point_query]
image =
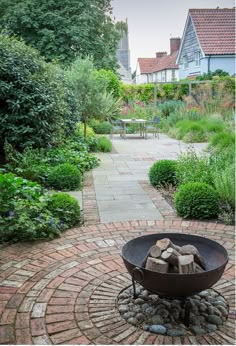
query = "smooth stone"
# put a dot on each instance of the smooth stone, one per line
(166, 304)
(211, 327)
(133, 321)
(157, 329)
(176, 332)
(150, 311)
(144, 294)
(210, 310)
(154, 297)
(129, 314)
(175, 314)
(124, 296)
(214, 320)
(197, 330)
(140, 316)
(137, 308)
(204, 294)
(124, 301)
(222, 309)
(196, 297)
(195, 321)
(163, 313)
(123, 308)
(202, 307)
(220, 303)
(222, 299)
(145, 306)
(217, 312)
(146, 327)
(157, 319)
(139, 301)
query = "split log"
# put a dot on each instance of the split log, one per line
(157, 265)
(192, 250)
(186, 264)
(198, 269)
(154, 252)
(171, 256)
(165, 243)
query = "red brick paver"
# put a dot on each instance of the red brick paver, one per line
(64, 291)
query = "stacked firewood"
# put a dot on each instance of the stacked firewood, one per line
(166, 257)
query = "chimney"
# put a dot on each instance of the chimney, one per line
(160, 54)
(174, 44)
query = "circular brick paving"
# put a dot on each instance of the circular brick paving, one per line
(64, 291)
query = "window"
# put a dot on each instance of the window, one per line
(185, 61)
(163, 76)
(197, 58)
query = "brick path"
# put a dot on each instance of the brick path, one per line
(64, 291)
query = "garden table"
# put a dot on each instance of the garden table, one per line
(141, 123)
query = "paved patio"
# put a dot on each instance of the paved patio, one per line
(64, 291)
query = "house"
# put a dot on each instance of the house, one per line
(162, 68)
(208, 42)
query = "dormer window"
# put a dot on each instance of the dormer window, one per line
(197, 58)
(185, 61)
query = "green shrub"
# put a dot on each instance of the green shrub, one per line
(35, 102)
(191, 168)
(212, 124)
(104, 144)
(64, 177)
(168, 107)
(24, 213)
(163, 172)
(66, 208)
(109, 81)
(222, 140)
(80, 131)
(225, 185)
(191, 131)
(196, 200)
(103, 128)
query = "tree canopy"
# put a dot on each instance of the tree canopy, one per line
(64, 29)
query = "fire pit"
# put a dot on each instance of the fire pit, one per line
(166, 302)
(171, 284)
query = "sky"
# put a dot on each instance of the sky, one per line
(153, 22)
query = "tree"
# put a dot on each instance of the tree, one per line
(81, 75)
(34, 100)
(109, 81)
(64, 29)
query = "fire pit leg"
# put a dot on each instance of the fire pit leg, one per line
(134, 288)
(187, 307)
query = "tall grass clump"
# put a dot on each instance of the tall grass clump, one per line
(222, 141)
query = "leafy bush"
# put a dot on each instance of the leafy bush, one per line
(66, 208)
(191, 168)
(34, 98)
(196, 200)
(212, 125)
(163, 172)
(109, 81)
(24, 214)
(64, 177)
(80, 131)
(103, 128)
(222, 140)
(168, 107)
(104, 144)
(225, 185)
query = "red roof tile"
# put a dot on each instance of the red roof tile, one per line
(215, 29)
(150, 65)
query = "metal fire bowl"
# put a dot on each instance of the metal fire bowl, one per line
(171, 284)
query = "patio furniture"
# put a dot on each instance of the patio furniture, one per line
(117, 127)
(152, 126)
(141, 123)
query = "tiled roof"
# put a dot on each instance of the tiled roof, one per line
(146, 64)
(150, 65)
(166, 62)
(215, 29)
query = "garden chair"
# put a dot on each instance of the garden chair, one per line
(117, 127)
(152, 127)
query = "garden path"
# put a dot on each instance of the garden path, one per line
(121, 181)
(64, 291)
